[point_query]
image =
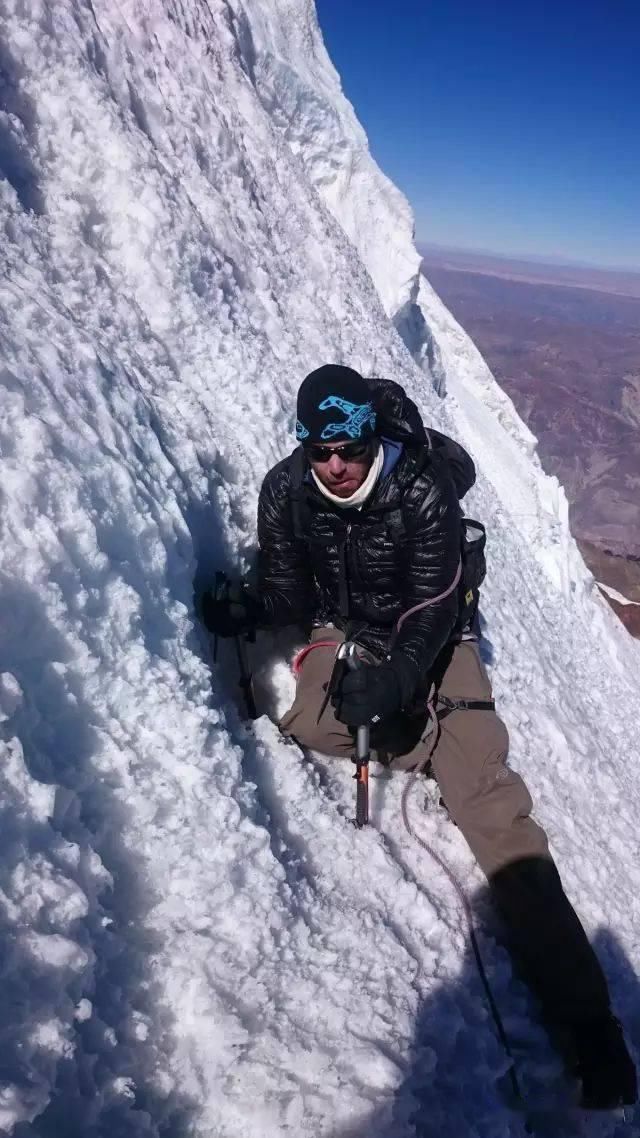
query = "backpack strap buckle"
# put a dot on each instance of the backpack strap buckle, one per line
(449, 705)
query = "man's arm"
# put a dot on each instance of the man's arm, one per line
(430, 560)
(285, 580)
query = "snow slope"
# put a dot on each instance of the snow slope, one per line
(616, 596)
(195, 939)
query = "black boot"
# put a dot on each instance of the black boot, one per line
(552, 952)
(548, 943)
(604, 1065)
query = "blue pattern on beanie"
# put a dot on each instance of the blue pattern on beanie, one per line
(359, 416)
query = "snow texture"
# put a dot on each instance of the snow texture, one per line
(195, 940)
(615, 595)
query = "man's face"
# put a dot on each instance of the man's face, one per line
(341, 467)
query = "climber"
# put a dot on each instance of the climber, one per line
(357, 529)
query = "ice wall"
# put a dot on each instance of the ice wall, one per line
(190, 221)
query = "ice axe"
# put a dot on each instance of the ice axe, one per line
(347, 653)
(222, 587)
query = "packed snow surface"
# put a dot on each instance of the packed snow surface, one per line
(195, 939)
(616, 596)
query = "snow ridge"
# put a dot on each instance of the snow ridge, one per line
(299, 87)
(196, 941)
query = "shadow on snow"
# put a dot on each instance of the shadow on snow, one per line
(457, 1082)
(107, 1087)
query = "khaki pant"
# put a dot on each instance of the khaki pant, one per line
(489, 802)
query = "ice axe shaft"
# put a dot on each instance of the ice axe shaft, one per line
(246, 678)
(362, 776)
(363, 747)
(245, 681)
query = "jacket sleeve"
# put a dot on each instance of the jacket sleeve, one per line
(431, 556)
(285, 581)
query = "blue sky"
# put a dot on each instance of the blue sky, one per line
(512, 126)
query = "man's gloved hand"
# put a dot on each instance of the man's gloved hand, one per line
(369, 693)
(234, 613)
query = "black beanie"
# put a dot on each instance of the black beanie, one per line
(334, 405)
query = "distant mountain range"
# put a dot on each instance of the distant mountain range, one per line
(564, 342)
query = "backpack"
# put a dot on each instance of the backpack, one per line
(399, 420)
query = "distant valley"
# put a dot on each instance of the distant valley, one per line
(564, 343)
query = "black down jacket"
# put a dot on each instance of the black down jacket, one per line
(349, 567)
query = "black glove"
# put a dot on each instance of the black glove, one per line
(234, 613)
(369, 693)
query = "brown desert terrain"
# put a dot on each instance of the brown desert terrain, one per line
(568, 354)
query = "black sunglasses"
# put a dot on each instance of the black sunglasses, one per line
(347, 452)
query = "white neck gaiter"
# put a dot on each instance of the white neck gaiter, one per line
(362, 493)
